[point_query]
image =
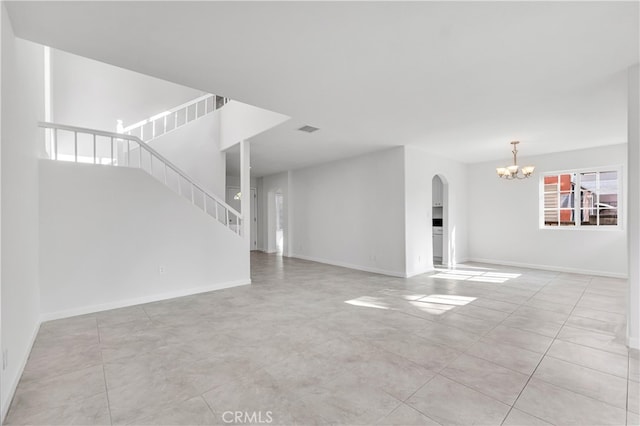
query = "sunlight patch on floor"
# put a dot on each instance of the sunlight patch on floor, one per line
(367, 302)
(435, 304)
(475, 276)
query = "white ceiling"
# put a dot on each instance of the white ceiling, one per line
(460, 79)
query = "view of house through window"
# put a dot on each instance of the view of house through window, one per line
(580, 198)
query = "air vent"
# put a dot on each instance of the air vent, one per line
(308, 129)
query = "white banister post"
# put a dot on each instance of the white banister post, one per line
(245, 191)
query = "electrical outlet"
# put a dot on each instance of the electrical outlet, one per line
(5, 358)
(419, 259)
(162, 270)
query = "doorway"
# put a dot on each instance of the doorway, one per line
(276, 234)
(439, 222)
(279, 224)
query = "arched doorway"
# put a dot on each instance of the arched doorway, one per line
(440, 229)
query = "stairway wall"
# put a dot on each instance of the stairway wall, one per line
(106, 232)
(92, 94)
(22, 106)
(241, 121)
(195, 148)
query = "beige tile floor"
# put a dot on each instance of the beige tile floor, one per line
(309, 343)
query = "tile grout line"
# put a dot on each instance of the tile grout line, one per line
(548, 282)
(547, 286)
(586, 366)
(464, 352)
(104, 374)
(511, 406)
(543, 356)
(416, 391)
(626, 411)
(207, 404)
(580, 393)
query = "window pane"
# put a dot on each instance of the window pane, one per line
(609, 177)
(551, 201)
(564, 222)
(567, 217)
(551, 217)
(551, 183)
(588, 181)
(550, 188)
(566, 200)
(608, 202)
(608, 217)
(594, 202)
(608, 190)
(567, 181)
(588, 211)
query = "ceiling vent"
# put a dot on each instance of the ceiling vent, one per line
(308, 129)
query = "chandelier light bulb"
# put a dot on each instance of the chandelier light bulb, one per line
(514, 171)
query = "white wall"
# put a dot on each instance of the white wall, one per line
(2, 36)
(234, 181)
(420, 168)
(22, 107)
(633, 123)
(195, 148)
(504, 218)
(351, 212)
(242, 121)
(88, 93)
(105, 232)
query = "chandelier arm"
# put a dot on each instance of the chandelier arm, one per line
(514, 171)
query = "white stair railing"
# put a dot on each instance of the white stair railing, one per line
(80, 145)
(168, 121)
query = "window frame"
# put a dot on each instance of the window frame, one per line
(577, 226)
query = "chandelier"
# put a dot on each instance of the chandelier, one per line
(514, 171)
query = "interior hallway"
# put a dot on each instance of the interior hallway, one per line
(310, 343)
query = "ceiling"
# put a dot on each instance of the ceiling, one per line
(459, 79)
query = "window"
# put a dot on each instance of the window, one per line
(581, 198)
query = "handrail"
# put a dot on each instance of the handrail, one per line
(54, 127)
(163, 116)
(169, 111)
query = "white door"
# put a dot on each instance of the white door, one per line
(254, 219)
(279, 223)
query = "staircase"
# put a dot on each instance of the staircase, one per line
(168, 121)
(130, 149)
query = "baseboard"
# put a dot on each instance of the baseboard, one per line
(633, 342)
(139, 301)
(419, 272)
(9, 393)
(550, 268)
(349, 265)
(434, 268)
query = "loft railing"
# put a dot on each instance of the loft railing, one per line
(80, 145)
(163, 123)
